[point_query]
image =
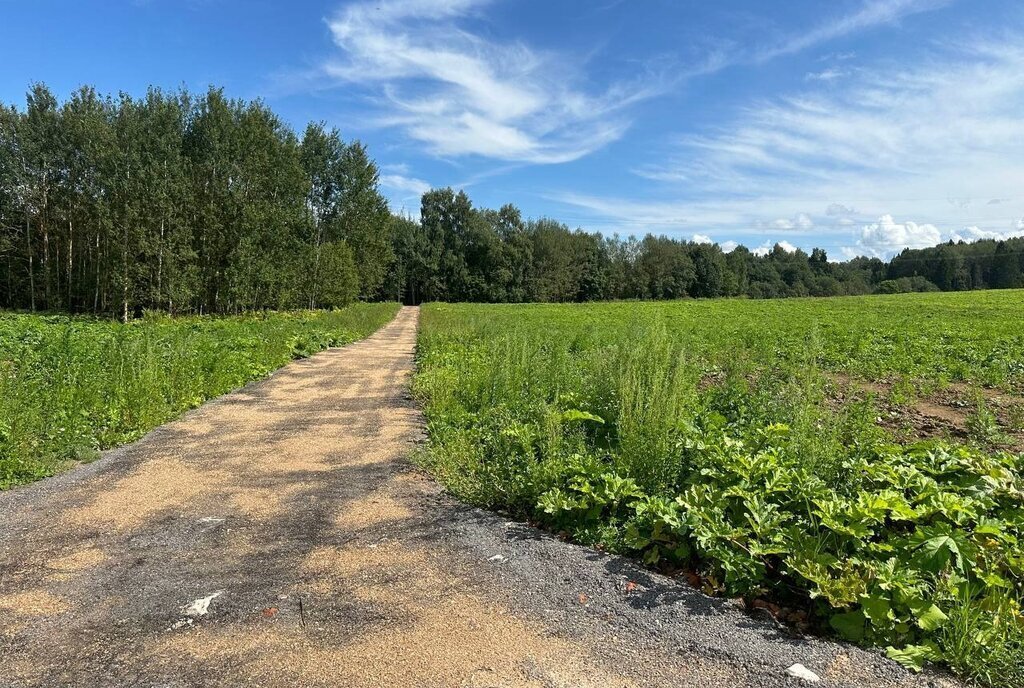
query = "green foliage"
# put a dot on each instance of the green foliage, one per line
(185, 203)
(461, 253)
(705, 436)
(70, 386)
(339, 278)
(904, 285)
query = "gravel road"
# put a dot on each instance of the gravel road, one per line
(279, 536)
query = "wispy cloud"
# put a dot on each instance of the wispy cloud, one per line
(459, 93)
(407, 185)
(830, 74)
(871, 14)
(403, 190)
(934, 141)
(431, 70)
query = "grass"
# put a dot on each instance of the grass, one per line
(751, 444)
(70, 387)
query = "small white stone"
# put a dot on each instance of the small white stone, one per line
(802, 672)
(497, 558)
(201, 606)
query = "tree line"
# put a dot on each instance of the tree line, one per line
(203, 204)
(182, 203)
(460, 253)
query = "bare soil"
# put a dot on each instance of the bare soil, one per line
(278, 536)
(944, 414)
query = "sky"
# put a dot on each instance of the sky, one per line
(858, 126)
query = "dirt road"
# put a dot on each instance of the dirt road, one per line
(278, 536)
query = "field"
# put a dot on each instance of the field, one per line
(851, 466)
(70, 387)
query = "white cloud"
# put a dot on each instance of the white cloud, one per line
(830, 74)
(887, 237)
(729, 246)
(801, 221)
(402, 184)
(969, 234)
(872, 13)
(462, 94)
(767, 247)
(839, 210)
(701, 239)
(895, 140)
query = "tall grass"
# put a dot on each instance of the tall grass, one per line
(714, 436)
(70, 387)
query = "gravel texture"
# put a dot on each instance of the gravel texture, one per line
(278, 536)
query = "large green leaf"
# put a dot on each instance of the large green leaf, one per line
(876, 608)
(929, 616)
(913, 657)
(850, 625)
(935, 553)
(576, 414)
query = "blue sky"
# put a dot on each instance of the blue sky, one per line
(861, 126)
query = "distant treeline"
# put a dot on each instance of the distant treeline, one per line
(198, 203)
(459, 253)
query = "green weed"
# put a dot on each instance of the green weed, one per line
(710, 436)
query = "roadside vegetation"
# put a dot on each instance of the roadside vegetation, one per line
(72, 386)
(851, 466)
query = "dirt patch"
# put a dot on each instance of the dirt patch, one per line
(153, 487)
(431, 632)
(33, 603)
(945, 414)
(73, 564)
(262, 503)
(372, 511)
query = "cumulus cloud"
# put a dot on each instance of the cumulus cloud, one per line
(767, 247)
(969, 234)
(701, 239)
(729, 246)
(886, 237)
(460, 93)
(839, 210)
